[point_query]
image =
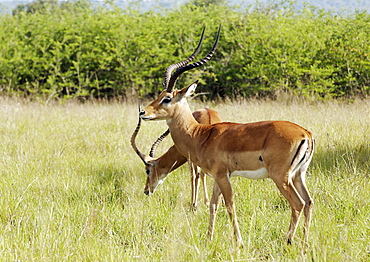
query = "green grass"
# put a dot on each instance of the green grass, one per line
(71, 188)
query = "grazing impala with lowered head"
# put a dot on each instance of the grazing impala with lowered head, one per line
(157, 169)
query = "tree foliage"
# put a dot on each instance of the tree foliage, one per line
(206, 3)
(75, 51)
(42, 6)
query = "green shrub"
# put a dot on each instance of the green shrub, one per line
(264, 50)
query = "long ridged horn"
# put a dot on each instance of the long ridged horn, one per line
(143, 157)
(160, 139)
(171, 68)
(183, 69)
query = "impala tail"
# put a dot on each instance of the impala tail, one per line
(303, 155)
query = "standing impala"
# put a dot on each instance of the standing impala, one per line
(157, 169)
(279, 150)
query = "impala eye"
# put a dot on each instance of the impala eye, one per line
(166, 100)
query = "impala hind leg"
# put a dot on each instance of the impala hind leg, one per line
(300, 185)
(296, 204)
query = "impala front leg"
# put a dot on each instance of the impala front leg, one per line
(205, 194)
(194, 185)
(227, 193)
(215, 199)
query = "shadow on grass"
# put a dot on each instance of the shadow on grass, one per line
(344, 158)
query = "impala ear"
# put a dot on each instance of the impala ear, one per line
(189, 90)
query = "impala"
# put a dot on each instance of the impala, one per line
(279, 150)
(157, 169)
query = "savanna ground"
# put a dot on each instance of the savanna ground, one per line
(71, 188)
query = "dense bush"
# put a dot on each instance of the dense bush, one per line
(107, 51)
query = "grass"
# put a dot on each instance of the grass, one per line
(71, 188)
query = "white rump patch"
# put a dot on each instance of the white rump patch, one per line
(252, 174)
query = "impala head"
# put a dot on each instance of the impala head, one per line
(155, 174)
(163, 107)
(154, 177)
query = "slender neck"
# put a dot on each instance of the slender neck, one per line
(182, 117)
(182, 126)
(171, 160)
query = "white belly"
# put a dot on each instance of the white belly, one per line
(251, 174)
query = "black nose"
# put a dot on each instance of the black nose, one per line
(146, 192)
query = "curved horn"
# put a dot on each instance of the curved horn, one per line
(171, 68)
(160, 139)
(133, 143)
(181, 70)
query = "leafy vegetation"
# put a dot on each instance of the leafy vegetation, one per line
(75, 50)
(42, 6)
